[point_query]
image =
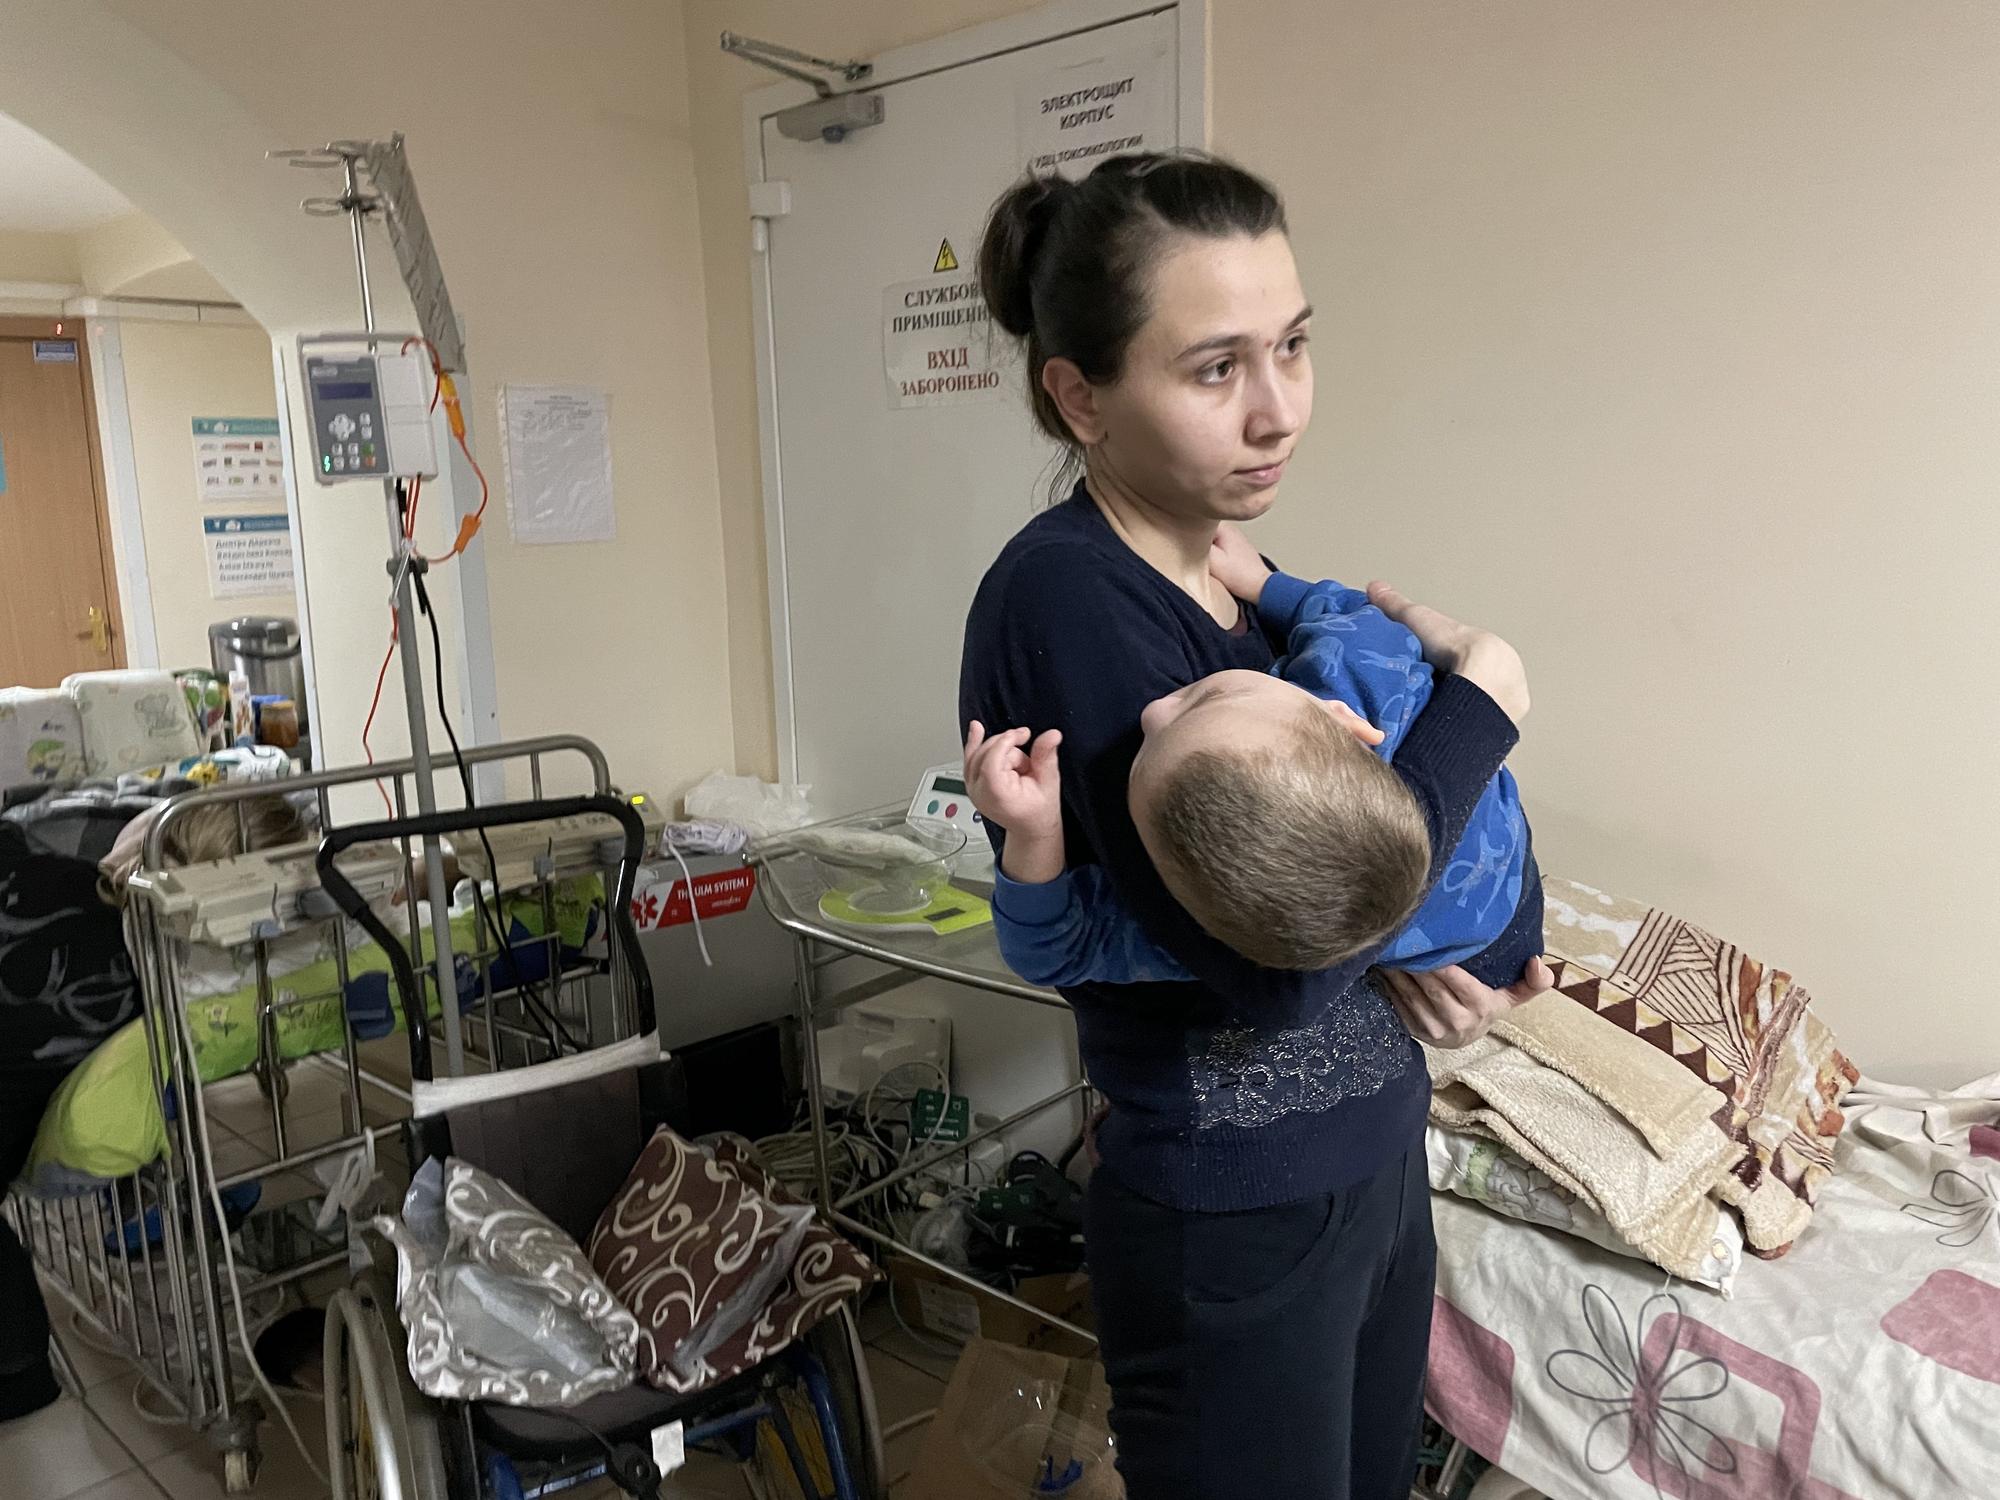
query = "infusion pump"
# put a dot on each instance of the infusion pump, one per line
(370, 404)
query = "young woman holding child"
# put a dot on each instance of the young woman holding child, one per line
(1259, 1224)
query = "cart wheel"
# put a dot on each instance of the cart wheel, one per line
(835, 1341)
(381, 1435)
(239, 1470)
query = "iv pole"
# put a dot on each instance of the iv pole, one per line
(357, 205)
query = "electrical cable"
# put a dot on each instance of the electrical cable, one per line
(548, 1017)
(446, 390)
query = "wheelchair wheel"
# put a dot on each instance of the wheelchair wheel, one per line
(835, 1343)
(382, 1439)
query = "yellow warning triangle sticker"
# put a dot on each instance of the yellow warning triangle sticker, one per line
(946, 261)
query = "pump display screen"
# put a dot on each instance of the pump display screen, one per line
(345, 390)
(950, 785)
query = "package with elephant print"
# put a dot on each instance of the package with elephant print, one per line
(131, 720)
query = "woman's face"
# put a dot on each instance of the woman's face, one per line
(1217, 385)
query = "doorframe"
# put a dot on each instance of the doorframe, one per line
(1030, 28)
(107, 557)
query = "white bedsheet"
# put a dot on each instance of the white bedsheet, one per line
(1863, 1366)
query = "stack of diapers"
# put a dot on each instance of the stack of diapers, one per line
(132, 720)
(41, 736)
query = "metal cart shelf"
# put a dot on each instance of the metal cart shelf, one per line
(791, 885)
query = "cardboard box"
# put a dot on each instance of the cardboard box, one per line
(1016, 1423)
(934, 1303)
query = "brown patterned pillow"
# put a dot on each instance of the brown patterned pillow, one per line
(695, 1253)
(827, 1271)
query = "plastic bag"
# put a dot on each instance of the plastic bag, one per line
(512, 1323)
(762, 807)
(499, 1303)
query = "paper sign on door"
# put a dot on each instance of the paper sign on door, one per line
(1074, 117)
(939, 346)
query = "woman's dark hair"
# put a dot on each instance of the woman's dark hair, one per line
(1066, 266)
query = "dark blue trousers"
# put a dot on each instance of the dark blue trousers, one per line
(1274, 1354)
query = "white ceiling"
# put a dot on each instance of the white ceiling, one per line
(45, 190)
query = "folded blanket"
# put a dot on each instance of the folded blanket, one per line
(1656, 1199)
(1728, 1019)
(1666, 1073)
(1470, 1166)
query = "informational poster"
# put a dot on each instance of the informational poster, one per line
(939, 346)
(248, 554)
(238, 458)
(557, 453)
(1074, 117)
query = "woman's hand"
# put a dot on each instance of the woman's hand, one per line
(1479, 656)
(1448, 1008)
(1234, 562)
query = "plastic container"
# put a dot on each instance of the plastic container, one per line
(1028, 1445)
(885, 868)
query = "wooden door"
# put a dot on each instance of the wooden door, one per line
(57, 596)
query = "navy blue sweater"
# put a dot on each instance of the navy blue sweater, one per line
(1249, 1086)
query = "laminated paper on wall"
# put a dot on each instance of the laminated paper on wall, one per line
(557, 451)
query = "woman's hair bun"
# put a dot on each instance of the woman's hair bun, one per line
(1015, 231)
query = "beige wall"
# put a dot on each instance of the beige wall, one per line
(47, 258)
(135, 257)
(551, 147)
(175, 372)
(1663, 339)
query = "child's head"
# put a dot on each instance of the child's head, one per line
(1274, 824)
(206, 832)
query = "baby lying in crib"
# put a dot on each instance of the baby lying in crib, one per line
(1269, 808)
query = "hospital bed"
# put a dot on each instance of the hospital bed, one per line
(1863, 1365)
(143, 1211)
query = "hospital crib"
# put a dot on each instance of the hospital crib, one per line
(162, 1265)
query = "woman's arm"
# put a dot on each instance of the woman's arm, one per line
(1060, 640)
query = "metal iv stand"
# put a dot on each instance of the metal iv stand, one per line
(357, 205)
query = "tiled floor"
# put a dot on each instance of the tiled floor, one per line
(100, 1447)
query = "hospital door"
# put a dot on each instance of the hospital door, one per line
(899, 453)
(56, 587)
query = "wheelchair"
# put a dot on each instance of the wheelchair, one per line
(565, 1134)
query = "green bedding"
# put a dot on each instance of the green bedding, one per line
(105, 1120)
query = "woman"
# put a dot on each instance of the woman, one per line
(1259, 1226)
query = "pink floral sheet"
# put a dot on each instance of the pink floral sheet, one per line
(1863, 1366)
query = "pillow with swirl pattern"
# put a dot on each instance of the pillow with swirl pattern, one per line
(695, 1252)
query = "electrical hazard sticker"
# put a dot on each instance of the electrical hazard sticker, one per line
(946, 261)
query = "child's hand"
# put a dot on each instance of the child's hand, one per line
(1234, 563)
(1015, 786)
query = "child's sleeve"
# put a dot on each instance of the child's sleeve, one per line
(1290, 602)
(1072, 931)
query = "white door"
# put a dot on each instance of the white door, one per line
(899, 455)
